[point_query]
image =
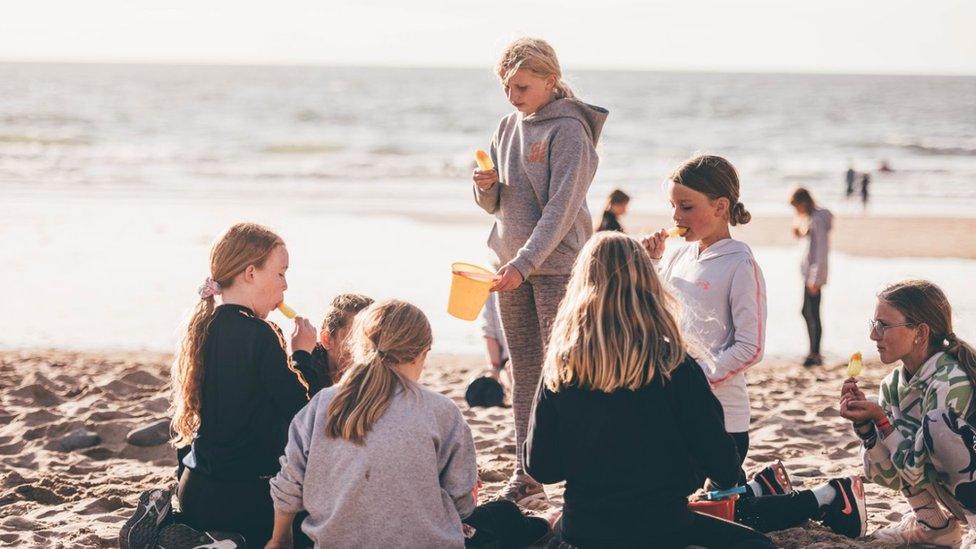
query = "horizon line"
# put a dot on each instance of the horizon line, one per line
(410, 66)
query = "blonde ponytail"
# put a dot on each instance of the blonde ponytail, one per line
(384, 336)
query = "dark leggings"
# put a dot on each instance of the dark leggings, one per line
(239, 506)
(772, 513)
(811, 314)
(742, 446)
(704, 531)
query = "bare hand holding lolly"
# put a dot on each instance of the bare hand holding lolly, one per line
(485, 176)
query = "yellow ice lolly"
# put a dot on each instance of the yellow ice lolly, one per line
(286, 310)
(854, 366)
(484, 161)
(677, 231)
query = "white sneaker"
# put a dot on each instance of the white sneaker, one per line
(911, 531)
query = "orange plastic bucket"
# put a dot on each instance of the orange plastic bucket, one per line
(469, 290)
(723, 508)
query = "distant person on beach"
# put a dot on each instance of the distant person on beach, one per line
(331, 358)
(884, 167)
(235, 392)
(718, 280)
(865, 193)
(616, 207)
(918, 434)
(627, 419)
(545, 154)
(381, 461)
(850, 177)
(812, 225)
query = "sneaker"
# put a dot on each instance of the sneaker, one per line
(523, 490)
(774, 480)
(813, 360)
(139, 532)
(846, 514)
(912, 531)
(181, 536)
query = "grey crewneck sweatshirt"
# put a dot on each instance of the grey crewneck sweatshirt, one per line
(813, 267)
(409, 485)
(546, 162)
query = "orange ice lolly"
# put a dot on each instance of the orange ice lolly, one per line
(286, 310)
(677, 231)
(484, 161)
(855, 366)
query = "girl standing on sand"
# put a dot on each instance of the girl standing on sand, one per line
(812, 224)
(381, 461)
(234, 389)
(718, 281)
(545, 154)
(918, 436)
(626, 417)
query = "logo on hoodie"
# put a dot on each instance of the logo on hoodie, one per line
(537, 152)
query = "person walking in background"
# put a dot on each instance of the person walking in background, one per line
(865, 194)
(812, 225)
(850, 177)
(616, 207)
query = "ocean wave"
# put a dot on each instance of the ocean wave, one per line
(41, 140)
(303, 148)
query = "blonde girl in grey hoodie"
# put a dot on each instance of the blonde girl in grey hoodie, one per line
(718, 281)
(545, 158)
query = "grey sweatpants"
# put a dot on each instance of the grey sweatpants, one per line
(527, 314)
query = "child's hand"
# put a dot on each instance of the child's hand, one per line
(654, 243)
(860, 411)
(850, 390)
(303, 336)
(484, 179)
(507, 278)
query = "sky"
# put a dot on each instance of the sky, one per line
(846, 36)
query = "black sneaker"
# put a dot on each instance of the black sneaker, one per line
(774, 480)
(139, 532)
(846, 514)
(181, 536)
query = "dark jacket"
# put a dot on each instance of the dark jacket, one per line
(630, 458)
(250, 395)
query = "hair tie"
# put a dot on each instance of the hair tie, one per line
(951, 338)
(209, 288)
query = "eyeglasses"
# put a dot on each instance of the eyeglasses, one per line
(878, 327)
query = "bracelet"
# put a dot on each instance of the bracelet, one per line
(883, 424)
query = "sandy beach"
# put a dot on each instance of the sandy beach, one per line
(50, 497)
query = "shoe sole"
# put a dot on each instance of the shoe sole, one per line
(137, 533)
(778, 468)
(857, 486)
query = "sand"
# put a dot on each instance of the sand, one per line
(859, 235)
(80, 498)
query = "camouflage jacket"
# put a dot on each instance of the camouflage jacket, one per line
(901, 459)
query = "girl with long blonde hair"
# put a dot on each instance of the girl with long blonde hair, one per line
(235, 390)
(624, 415)
(545, 160)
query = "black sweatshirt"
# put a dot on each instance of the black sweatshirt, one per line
(250, 396)
(609, 222)
(630, 458)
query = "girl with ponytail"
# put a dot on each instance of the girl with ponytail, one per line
(234, 389)
(545, 158)
(718, 281)
(918, 435)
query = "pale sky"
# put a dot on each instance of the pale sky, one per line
(872, 36)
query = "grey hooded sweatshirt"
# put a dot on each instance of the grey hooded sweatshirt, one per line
(546, 162)
(816, 244)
